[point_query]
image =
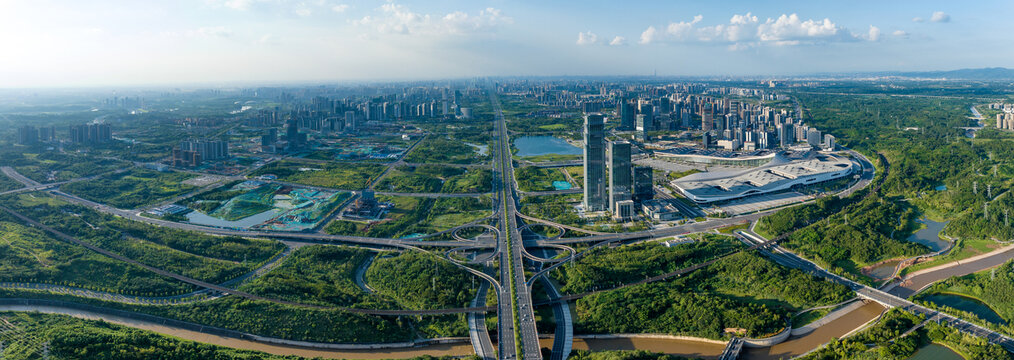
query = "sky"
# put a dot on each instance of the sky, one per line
(73, 43)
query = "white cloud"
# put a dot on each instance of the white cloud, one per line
(940, 17)
(268, 39)
(682, 29)
(587, 38)
(238, 4)
(340, 8)
(918, 19)
(618, 41)
(747, 30)
(397, 19)
(874, 34)
(211, 31)
(302, 10)
(900, 33)
(649, 35)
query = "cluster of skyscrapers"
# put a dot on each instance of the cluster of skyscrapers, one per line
(723, 114)
(625, 186)
(94, 133)
(1005, 118)
(192, 153)
(349, 114)
(90, 133)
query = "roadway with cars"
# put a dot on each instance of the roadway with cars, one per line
(511, 252)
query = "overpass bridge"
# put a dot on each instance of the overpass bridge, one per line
(785, 257)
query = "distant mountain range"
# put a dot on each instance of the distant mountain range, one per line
(994, 73)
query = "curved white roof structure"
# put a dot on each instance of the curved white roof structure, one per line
(778, 174)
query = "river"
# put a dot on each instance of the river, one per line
(688, 348)
(799, 345)
(457, 349)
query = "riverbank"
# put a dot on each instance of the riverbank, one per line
(448, 347)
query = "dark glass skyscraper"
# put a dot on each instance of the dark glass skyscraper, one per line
(620, 185)
(594, 163)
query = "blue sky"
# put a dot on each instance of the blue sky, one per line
(55, 43)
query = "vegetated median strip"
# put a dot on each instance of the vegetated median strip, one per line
(234, 291)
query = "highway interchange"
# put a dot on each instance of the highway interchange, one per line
(517, 333)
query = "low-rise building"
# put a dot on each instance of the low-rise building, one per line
(660, 210)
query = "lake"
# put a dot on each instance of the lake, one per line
(968, 304)
(935, 352)
(930, 235)
(543, 145)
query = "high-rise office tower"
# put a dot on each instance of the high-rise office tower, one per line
(28, 135)
(350, 121)
(644, 123)
(626, 116)
(620, 184)
(643, 184)
(813, 137)
(707, 115)
(784, 135)
(646, 108)
(594, 163)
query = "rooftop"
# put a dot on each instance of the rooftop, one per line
(780, 173)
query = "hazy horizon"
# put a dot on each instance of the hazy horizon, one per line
(60, 44)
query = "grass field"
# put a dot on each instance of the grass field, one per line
(550, 158)
(31, 256)
(53, 166)
(7, 184)
(336, 175)
(436, 179)
(531, 178)
(415, 215)
(133, 188)
(437, 149)
(576, 172)
(963, 249)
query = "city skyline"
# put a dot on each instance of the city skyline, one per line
(117, 43)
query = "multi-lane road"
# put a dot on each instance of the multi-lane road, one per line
(517, 332)
(516, 301)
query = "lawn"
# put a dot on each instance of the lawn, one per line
(416, 215)
(54, 166)
(576, 172)
(319, 274)
(550, 158)
(438, 149)
(133, 188)
(335, 175)
(32, 256)
(531, 178)
(204, 257)
(436, 179)
(963, 249)
(7, 184)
